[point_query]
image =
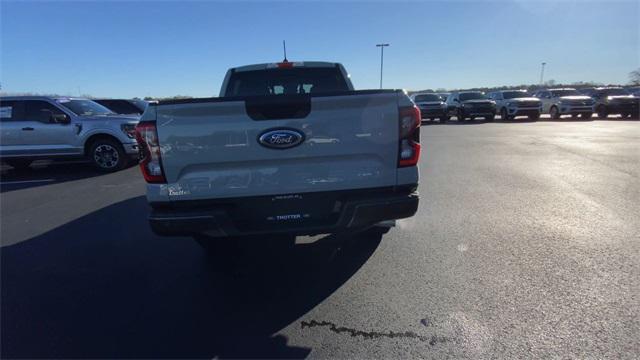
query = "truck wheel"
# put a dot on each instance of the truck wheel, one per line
(460, 115)
(586, 116)
(602, 112)
(107, 155)
(555, 114)
(490, 117)
(444, 119)
(534, 117)
(18, 164)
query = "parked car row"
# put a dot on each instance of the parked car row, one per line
(509, 104)
(102, 130)
(44, 127)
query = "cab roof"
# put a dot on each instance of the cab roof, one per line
(297, 64)
(41, 97)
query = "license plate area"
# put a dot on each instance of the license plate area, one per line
(287, 211)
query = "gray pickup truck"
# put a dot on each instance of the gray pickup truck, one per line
(43, 127)
(288, 148)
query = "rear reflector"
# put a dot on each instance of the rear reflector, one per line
(150, 162)
(409, 142)
(285, 65)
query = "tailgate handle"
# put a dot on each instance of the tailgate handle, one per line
(27, 128)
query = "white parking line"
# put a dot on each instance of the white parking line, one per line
(25, 181)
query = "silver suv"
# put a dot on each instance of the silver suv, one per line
(512, 103)
(558, 102)
(40, 127)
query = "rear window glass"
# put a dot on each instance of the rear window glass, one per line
(427, 97)
(616, 92)
(286, 82)
(565, 92)
(85, 107)
(120, 106)
(514, 94)
(472, 96)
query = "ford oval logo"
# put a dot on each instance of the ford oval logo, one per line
(281, 138)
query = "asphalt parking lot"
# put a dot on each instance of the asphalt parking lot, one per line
(526, 244)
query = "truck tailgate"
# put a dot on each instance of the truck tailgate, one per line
(211, 149)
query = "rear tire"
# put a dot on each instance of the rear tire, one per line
(586, 116)
(444, 119)
(534, 117)
(490, 117)
(107, 155)
(554, 112)
(460, 115)
(18, 164)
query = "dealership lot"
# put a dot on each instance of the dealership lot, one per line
(526, 243)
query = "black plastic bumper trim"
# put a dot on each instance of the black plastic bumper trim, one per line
(357, 213)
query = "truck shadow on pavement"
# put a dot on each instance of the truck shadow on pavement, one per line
(44, 173)
(103, 286)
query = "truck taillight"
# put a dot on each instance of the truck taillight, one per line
(409, 147)
(147, 136)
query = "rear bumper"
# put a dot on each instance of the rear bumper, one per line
(524, 111)
(622, 108)
(572, 109)
(131, 148)
(433, 112)
(478, 111)
(351, 213)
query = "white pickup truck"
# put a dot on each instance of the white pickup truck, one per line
(288, 148)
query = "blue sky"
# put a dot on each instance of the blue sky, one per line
(127, 49)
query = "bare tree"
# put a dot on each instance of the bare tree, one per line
(634, 77)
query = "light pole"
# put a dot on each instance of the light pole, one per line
(542, 73)
(381, 46)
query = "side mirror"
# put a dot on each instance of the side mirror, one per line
(60, 118)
